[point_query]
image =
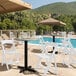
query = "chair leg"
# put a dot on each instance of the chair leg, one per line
(45, 71)
(18, 57)
(7, 66)
(39, 63)
(5, 61)
(46, 68)
(56, 72)
(68, 62)
(2, 62)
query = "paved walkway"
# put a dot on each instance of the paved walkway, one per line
(32, 60)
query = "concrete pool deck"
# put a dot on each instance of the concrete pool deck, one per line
(32, 60)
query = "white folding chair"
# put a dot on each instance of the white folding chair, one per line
(72, 54)
(69, 50)
(9, 53)
(49, 57)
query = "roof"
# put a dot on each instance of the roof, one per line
(52, 21)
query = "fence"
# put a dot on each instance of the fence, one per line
(16, 33)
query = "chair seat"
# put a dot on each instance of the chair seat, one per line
(11, 62)
(47, 56)
(10, 52)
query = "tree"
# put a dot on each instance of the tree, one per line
(2, 26)
(74, 24)
(8, 24)
(28, 24)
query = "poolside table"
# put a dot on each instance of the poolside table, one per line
(26, 67)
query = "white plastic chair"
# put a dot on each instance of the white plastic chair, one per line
(12, 36)
(72, 54)
(25, 34)
(9, 53)
(49, 57)
(69, 50)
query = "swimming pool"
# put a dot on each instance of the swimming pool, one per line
(57, 40)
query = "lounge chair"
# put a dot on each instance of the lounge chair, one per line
(5, 37)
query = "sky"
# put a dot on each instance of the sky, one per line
(38, 3)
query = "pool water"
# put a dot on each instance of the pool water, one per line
(57, 40)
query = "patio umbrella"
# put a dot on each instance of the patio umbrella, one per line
(13, 5)
(52, 21)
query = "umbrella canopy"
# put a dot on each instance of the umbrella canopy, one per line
(13, 5)
(52, 21)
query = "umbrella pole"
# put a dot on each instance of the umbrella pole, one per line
(53, 40)
(53, 47)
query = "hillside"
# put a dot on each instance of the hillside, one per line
(58, 8)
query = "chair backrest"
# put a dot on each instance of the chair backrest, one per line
(23, 34)
(63, 34)
(42, 44)
(67, 44)
(45, 45)
(7, 44)
(41, 40)
(12, 35)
